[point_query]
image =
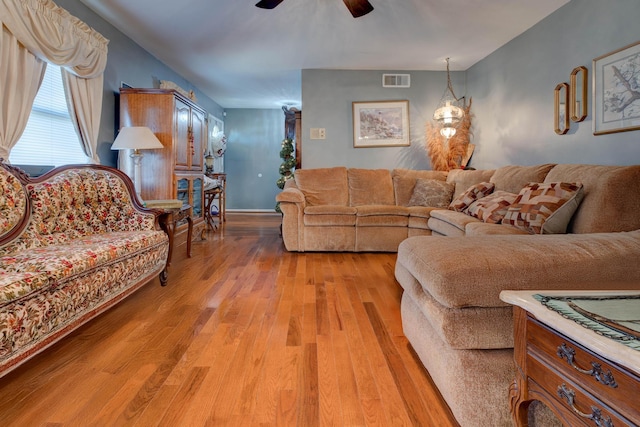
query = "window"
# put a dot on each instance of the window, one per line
(49, 138)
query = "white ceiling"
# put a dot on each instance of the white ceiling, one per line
(245, 57)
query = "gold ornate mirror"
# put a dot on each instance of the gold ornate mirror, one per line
(578, 94)
(561, 115)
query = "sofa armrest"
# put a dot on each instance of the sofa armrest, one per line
(292, 204)
(292, 195)
(472, 271)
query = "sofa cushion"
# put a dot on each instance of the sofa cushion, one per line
(471, 271)
(370, 187)
(461, 328)
(608, 204)
(513, 178)
(544, 208)
(324, 186)
(493, 207)
(470, 195)
(485, 229)
(15, 285)
(432, 192)
(466, 178)
(404, 181)
(450, 223)
(329, 215)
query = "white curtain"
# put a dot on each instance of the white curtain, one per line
(46, 32)
(84, 101)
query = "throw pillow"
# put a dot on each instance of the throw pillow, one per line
(432, 193)
(370, 187)
(473, 193)
(492, 208)
(545, 208)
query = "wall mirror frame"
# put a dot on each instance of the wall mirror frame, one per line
(561, 116)
(578, 94)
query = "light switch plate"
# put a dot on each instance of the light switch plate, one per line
(318, 133)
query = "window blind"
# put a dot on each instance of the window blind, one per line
(49, 138)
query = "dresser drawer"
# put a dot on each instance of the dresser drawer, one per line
(575, 402)
(580, 366)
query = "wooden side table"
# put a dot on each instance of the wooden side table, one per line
(216, 193)
(586, 378)
(173, 211)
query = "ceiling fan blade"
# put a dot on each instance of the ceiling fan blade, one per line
(268, 4)
(358, 8)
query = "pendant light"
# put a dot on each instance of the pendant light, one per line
(448, 114)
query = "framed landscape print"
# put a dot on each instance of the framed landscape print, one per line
(616, 93)
(381, 124)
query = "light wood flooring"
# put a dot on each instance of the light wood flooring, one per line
(245, 334)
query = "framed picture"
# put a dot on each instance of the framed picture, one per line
(381, 124)
(616, 105)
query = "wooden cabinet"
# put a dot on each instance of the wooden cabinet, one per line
(176, 171)
(584, 385)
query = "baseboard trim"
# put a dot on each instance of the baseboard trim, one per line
(253, 211)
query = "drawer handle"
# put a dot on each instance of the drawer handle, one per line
(596, 413)
(565, 352)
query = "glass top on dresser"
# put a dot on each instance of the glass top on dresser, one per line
(608, 322)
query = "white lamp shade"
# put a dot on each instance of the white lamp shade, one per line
(136, 138)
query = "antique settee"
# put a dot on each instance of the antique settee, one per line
(73, 243)
(450, 308)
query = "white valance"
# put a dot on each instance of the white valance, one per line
(35, 32)
(54, 35)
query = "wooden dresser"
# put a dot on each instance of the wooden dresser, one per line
(176, 171)
(585, 368)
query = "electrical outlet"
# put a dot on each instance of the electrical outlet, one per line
(317, 133)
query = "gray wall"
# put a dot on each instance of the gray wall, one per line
(512, 91)
(512, 88)
(253, 149)
(127, 62)
(327, 97)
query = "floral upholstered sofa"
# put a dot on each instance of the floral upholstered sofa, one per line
(73, 243)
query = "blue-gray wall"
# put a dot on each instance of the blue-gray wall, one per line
(327, 97)
(129, 63)
(512, 88)
(512, 91)
(252, 159)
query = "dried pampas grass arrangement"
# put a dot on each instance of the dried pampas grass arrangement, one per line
(449, 154)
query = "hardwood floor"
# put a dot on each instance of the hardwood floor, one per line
(245, 334)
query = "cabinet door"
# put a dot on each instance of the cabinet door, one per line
(190, 190)
(196, 197)
(182, 144)
(199, 135)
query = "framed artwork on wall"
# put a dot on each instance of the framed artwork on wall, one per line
(381, 124)
(616, 97)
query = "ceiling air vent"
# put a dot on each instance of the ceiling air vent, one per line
(396, 80)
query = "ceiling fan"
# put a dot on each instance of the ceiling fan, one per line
(357, 8)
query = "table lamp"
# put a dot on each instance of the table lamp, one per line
(136, 138)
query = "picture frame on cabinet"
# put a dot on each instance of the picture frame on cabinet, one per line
(616, 107)
(381, 124)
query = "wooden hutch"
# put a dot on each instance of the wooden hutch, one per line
(176, 171)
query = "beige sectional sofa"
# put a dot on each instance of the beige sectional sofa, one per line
(451, 310)
(362, 210)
